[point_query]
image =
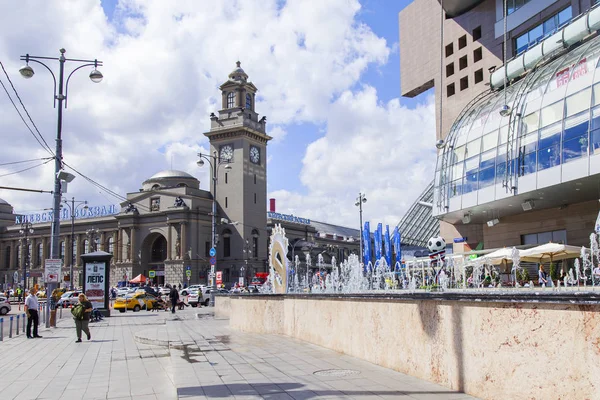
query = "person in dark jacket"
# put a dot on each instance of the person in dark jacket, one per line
(174, 295)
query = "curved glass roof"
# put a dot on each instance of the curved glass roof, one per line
(553, 121)
(418, 224)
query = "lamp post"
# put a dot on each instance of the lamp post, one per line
(359, 202)
(25, 230)
(96, 76)
(72, 211)
(214, 163)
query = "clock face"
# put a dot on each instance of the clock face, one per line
(226, 153)
(254, 154)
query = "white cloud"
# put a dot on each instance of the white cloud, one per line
(163, 63)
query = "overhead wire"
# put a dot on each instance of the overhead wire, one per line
(26, 169)
(24, 161)
(44, 144)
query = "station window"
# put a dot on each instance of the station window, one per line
(478, 75)
(477, 33)
(462, 62)
(477, 55)
(462, 42)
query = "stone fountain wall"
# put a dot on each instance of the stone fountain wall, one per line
(500, 350)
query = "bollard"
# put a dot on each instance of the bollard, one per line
(61, 312)
(10, 327)
(18, 316)
(1, 329)
(24, 318)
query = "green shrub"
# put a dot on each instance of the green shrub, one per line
(523, 275)
(554, 271)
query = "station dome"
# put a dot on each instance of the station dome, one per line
(169, 179)
(7, 217)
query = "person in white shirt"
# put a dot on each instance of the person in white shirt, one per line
(31, 309)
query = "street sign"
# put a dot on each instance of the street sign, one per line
(213, 260)
(188, 273)
(151, 274)
(213, 252)
(187, 268)
(52, 269)
(27, 274)
(212, 270)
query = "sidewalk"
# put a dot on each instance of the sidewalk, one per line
(190, 355)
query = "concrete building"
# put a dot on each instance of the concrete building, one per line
(164, 229)
(518, 148)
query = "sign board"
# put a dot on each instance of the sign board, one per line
(160, 273)
(212, 252)
(241, 280)
(187, 268)
(212, 270)
(460, 240)
(151, 274)
(94, 285)
(213, 261)
(52, 268)
(219, 277)
(188, 273)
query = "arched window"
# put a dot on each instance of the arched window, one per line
(62, 250)
(40, 254)
(111, 245)
(230, 100)
(155, 187)
(159, 249)
(7, 258)
(248, 101)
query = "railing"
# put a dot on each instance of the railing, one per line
(16, 324)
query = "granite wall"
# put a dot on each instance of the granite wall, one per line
(499, 350)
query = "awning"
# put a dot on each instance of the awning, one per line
(138, 279)
(551, 252)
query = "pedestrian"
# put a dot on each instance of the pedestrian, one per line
(542, 276)
(31, 309)
(174, 295)
(19, 294)
(81, 314)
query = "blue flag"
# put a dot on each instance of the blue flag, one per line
(388, 247)
(366, 244)
(397, 244)
(378, 242)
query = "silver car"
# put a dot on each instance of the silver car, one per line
(4, 306)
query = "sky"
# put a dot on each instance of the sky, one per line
(328, 75)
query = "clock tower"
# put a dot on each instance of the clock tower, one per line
(239, 140)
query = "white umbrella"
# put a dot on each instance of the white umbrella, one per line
(550, 252)
(500, 256)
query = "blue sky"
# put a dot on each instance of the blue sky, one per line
(328, 78)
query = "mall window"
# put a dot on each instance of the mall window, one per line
(559, 236)
(543, 30)
(549, 147)
(471, 174)
(575, 137)
(527, 154)
(464, 83)
(230, 100)
(449, 70)
(450, 90)
(462, 62)
(449, 50)
(462, 42)
(478, 75)
(477, 55)
(595, 131)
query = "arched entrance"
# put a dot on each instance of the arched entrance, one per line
(154, 254)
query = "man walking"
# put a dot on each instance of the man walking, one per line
(31, 309)
(174, 295)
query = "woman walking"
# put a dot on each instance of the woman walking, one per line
(81, 314)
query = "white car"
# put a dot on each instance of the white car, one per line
(4, 306)
(185, 291)
(121, 292)
(164, 291)
(194, 296)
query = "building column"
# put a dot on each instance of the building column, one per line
(102, 246)
(119, 245)
(44, 250)
(115, 236)
(78, 249)
(183, 254)
(169, 240)
(132, 252)
(12, 255)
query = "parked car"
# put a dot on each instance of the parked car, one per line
(68, 299)
(122, 291)
(4, 306)
(185, 291)
(164, 291)
(193, 297)
(135, 302)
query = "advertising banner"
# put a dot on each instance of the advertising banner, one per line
(388, 247)
(219, 277)
(95, 275)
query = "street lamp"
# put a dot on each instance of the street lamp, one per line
(359, 202)
(72, 211)
(25, 230)
(214, 163)
(96, 76)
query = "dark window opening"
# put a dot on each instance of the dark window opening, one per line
(254, 198)
(255, 179)
(462, 62)
(7, 258)
(225, 202)
(449, 70)
(255, 247)
(226, 246)
(478, 75)
(159, 250)
(207, 249)
(477, 55)
(226, 176)
(462, 42)
(450, 90)
(464, 83)
(449, 50)
(477, 33)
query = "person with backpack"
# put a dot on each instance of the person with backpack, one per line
(174, 295)
(81, 314)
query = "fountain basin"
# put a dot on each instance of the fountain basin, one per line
(518, 344)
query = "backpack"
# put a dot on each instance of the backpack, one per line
(77, 312)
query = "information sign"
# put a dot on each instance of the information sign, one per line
(213, 260)
(212, 270)
(188, 273)
(151, 274)
(52, 268)
(213, 252)
(187, 268)
(94, 285)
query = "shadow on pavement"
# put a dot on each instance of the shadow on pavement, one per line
(273, 389)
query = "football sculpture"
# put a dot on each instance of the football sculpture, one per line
(436, 244)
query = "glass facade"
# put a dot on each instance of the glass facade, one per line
(543, 30)
(555, 120)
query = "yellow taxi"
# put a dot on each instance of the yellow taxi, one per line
(135, 302)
